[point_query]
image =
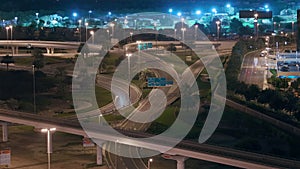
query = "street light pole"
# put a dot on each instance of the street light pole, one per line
(112, 29)
(80, 21)
(116, 156)
(92, 34)
(256, 24)
(131, 33)
(218, 29)
(183, 30)
(33, 80)
(86, 34)
(149, 163)
(7, 28)
(175, 31)
(129, 78)
(11, 32)
(196, 28)
(49, 143)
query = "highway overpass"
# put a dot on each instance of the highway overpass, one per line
(187, 149)
(50, 46)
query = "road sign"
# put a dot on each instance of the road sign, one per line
(158, 82)
(144, 46)
(5, 157)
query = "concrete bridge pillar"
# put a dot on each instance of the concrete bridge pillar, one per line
(48, 50)
(180, 160)
(99, 155)
(4, 132)
(52, 50)
(15, 49)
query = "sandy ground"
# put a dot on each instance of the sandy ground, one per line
(28, 150)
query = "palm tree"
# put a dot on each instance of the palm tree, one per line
(7, 60)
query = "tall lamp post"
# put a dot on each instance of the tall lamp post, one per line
(218, 29)
(256, 24)
(11, 32)
(90, 12)
(112, 29)
(116, 156)
(149, 163)
(33, 82)
(49, 142)
(80, 22)
(175, 31)
(131, 33)
(196, 29)
(293, 28)
(183, 30)
(182, 21)
(86, 34)
(92, 34)
(129, 78)
(7, 28)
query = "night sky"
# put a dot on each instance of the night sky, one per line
(121, 5)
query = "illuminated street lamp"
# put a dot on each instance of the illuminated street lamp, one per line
(7, 28)
(149, 162)
(198, 12)
(214, 10)
(131, 33)
(293, 27)
(196, 29)
(183, 30)
(49, 142)
(179, 14)
(11, 32)
(100, 119)
(170, 10)
(107, 34)
(90, 12)
(33, 83)
(125, 23)
(175, 31)
(256, 24)
(80, 22)
(112, 29)
(218, 29)
(116, 156)
(129, 55)
(86, 27)
(182, 21)
(92, 34)
(74, 16)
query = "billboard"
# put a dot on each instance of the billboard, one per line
(158, 82)
(250, 14)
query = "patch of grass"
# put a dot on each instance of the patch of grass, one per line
(23, 61)
(113, 117)
(168, 116)
(103, 96)
(27, 61)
